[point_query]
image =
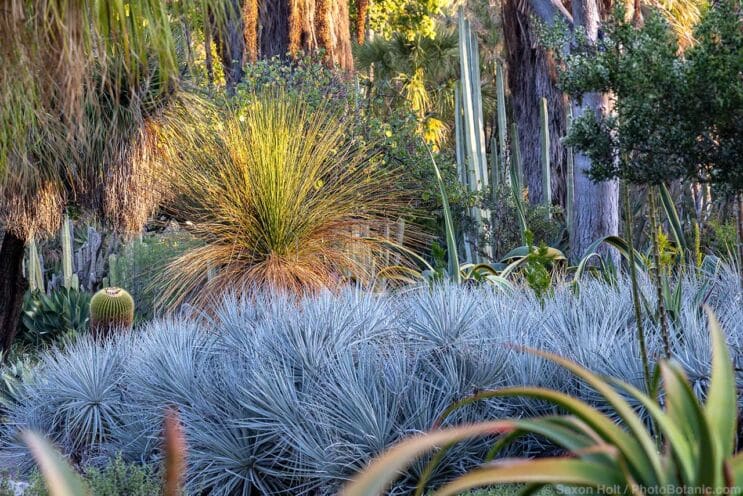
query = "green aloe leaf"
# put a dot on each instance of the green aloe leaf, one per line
(645, 461)
(683, 406)
(451, 240)
(673, 219)
(568, 471)
(523, 251)
(681, 444)
(721, 409)
(615, 242)
(631, 449)
(379, 475)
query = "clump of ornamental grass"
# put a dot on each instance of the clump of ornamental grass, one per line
(280, 196)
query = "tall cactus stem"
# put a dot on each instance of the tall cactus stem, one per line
(35, 272)
(545, 154)
(570, 180)
(500, 88)
(495, 170)
(67, 253)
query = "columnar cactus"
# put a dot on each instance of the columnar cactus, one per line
(110, 309)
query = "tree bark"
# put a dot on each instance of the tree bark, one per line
(362, 7)
(12, 287)
(294, 26)
(230, 42)
(531, 76)
(596, 212)
(250, 29)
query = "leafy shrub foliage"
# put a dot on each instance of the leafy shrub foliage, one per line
(63, 314)
(279, 394)
(118, 478)
(141, 263)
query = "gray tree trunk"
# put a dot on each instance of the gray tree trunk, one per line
(596, 205)
(531, 76)
(596, 212)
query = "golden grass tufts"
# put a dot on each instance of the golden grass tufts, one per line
(281, 197)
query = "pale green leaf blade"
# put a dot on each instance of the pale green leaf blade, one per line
(60, 478)
(567, 471)
(383, 470)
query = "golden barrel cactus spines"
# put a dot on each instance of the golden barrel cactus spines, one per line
(111, 309)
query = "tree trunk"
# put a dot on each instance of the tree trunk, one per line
(362, 7)
(12, 287)
(230, 42)
(531, 76)
(273, 28)
(596, 212)
(294, 26)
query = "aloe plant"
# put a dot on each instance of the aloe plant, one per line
(697, 439)
(451, 240)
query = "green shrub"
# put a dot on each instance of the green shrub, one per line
(118, 478)
(504, 234)
(6, 487)
(12, 377)
(139, 264)
(62, 314)
(723, 238)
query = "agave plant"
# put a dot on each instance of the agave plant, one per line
(689, 446)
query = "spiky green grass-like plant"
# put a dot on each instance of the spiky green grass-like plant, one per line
(281, 197)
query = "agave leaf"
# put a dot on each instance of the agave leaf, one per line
(721, 409)
(60, 478)
(573, 436)
(683, 406)
(613, 241)
(681, 444)
(490, 268)
(523, 251)
(628, 415)
(382, 471)
(631, 448)
(673, 219)
(580, 429)
(569, 471)
(451, 240)
(553, 428)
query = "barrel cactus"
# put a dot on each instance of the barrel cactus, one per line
(111, 308)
